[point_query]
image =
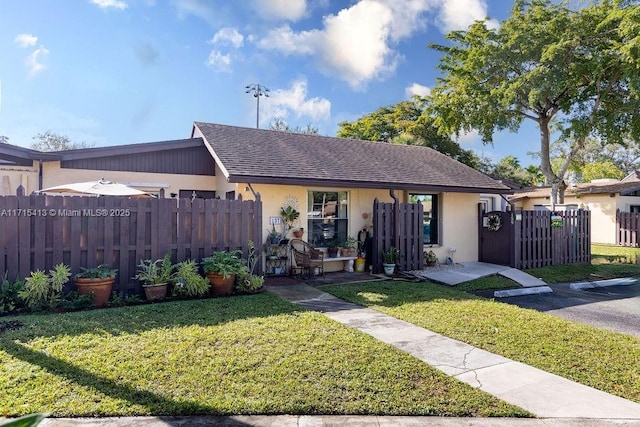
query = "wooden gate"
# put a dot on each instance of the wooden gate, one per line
(532, 239)
(496, 238)
(398, 225)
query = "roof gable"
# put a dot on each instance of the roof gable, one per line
(266, 156)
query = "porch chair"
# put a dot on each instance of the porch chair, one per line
(306, 257)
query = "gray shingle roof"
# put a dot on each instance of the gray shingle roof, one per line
(266, 156)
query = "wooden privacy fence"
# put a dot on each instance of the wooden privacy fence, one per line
(544, 238)
(627, 229)
(398, 225)
(39, 231)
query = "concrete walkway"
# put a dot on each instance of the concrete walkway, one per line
(468, 271)
(541, 393)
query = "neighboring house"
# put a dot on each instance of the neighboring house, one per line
(601, 197)
(179, 167)
(332, 181)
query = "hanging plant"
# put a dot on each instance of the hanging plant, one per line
(494, 222)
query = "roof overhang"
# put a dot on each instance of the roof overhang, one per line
(309, 182)
(145, 147)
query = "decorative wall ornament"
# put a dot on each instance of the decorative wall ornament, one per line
(494, 222)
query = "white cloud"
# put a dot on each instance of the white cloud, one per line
(283, 103)
(219, 62)
(25, 40)
(416, 89)
(459, 14)
(290, 10)
(33, 62)
(228, 36)
(357, 44)
(106, 4)
(202, 9)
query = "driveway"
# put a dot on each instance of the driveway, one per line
(613, 307)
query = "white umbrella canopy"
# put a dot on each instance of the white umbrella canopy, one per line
(97, 188)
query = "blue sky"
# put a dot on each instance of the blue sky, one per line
(111, 72)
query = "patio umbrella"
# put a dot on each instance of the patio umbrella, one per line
(97, 188)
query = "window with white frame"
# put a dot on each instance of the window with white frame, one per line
(327, 217)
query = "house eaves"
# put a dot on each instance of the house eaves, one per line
(119, 150)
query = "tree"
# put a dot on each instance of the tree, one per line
(406, 123)
(601, 170)
(4, 139)
(49, 141)
(282, 126)
(547, 61)
(509, 168)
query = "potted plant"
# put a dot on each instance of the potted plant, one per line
(298, 233)
(430, 258)
(349, 247)
(289, 216)
(273, 237)
(155, 276)
(333, 246)
(97, 280)
(221, 269)
(389, 261)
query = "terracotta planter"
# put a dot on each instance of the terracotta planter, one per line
(155, 292)
(221, 286)
(101, 288)
(298, 234)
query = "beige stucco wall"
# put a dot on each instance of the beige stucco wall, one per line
(13, 176)
(55, 175)
(603, 212)
(458, 221)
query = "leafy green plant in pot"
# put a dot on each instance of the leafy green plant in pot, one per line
(333, 247)
(97, 281)
(221, 269)
(155, 276)
(349, 246)
(289, 216)
(389, 261)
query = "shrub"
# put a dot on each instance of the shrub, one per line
(10, 294)
(188, 282)
(42, 290)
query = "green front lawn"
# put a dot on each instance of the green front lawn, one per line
(240, 355)
(596, 357)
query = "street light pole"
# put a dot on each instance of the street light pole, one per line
(258, 91)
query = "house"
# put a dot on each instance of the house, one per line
(333, 182)
(182, 167)
(602, 197)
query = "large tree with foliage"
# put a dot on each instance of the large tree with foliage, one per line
(282, 126)
(49, 141)
(547, 61)
(406, 123)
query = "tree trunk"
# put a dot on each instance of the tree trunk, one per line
(545, 163)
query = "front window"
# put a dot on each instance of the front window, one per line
(430, 218)
(327, 217)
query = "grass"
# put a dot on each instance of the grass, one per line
(241, 355)
(595, 357)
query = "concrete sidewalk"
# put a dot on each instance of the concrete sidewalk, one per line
(468, 271)
(541, 393)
